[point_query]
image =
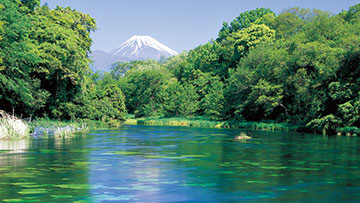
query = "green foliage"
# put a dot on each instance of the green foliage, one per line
(327, 124)
(250, 37)
(348, 131)
(244, 20)
(268, 95)
(101, 100)
(180, 100)
(177, 63)
(244, 40)
(120, 69)
(300, 67)
(353, 14)
(350, 113)
(30, 4)
(292, 21)
(208, 58)
(18, 89)
(212, 104)
(179, 121)
(142, 86)
(62, 40)
(45, 65)
(206, 123)
(255, 88)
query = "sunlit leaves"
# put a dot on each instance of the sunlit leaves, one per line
(180, 99)
(244, 20)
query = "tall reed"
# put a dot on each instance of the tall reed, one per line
(12, 127)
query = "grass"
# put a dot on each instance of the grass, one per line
(65, 128)
(12, 127)
(271, 126)
(201, 122)
(174, 122)
(49, 123)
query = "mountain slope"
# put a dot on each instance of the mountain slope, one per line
(102, 60)
(135, 48)
(142, 47)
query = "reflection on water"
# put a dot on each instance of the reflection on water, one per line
(165, 164)
(43, 170)
(16, 148)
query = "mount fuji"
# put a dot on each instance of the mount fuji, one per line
(136, 48)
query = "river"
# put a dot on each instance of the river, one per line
(179, 164)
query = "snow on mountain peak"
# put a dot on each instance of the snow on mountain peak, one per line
(134, 47)
(137, 48)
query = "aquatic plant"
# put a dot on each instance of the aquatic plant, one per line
(12, 127)
(174, 121)
(202, 122)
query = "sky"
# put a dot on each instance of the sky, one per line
(179, 24)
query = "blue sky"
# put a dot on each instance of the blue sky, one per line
(179, 24)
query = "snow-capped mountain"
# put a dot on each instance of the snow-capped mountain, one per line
(142, 47)
(135, 48)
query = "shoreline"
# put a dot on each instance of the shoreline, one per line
(13, 128)
(184, 122)
(264, 126)
(56, 128)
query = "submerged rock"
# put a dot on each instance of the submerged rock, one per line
(243, 136)
(55, 131)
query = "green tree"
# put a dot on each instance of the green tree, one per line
(1, 33)
(292, 21)
(267, 95)
(30, 4)
(255, 88)
(212, 104)
(177, 64)
(250, 37)
(209, 58)
(326, 29)
(352, 15)
(142, 89)
(120, 68)
(18, 89)
(180, 99)
(244, 20)
(101, 99)
(287, 24)
(349, 113)
(62, 40)
(244, 40)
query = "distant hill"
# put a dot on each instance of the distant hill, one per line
(136, 48)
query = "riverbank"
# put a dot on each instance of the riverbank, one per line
(179, 121)
(58, 128)
(266, 126)
(46, 127)
(13, 128)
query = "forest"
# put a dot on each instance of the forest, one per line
(300, 66)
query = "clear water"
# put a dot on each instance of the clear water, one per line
(176, 164)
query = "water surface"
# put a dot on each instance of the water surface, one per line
(177, 164)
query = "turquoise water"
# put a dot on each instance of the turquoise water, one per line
(177, 164)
